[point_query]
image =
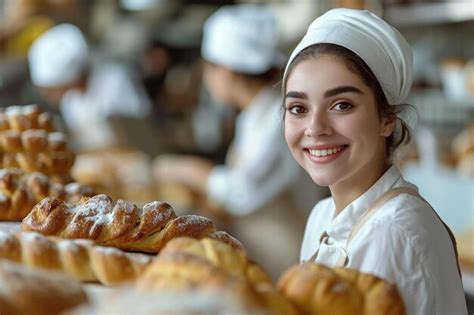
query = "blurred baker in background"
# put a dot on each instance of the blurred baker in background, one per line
(87, 95)
(260, 184)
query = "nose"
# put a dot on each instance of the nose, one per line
(318, 126)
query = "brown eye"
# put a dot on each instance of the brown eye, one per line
(342, 106)
(296, 110)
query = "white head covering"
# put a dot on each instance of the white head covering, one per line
(381, 46)
(243, 38)
(58, 56)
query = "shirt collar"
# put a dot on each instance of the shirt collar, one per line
(342, 224)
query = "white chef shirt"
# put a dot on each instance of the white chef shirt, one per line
(110, 91)
(403, 242)
(262, 166)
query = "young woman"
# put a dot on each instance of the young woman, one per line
(344, 86)
(260, 184)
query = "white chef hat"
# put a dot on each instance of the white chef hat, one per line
(381, 46)
(243, 38)
(58, 57)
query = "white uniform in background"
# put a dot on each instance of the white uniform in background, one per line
(263, 186)
(404, 243)
(110, 92)
(60, 57)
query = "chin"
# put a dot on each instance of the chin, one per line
(321, 179)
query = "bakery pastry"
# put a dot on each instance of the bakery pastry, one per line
(463, 143)
(217, 252)
(28, 141)
(27, 291)
(25, 117)
(316, 289)
(465, 242)
(121, 224)
(36, 150)
(20, 191)
(186, 264)
(232, 299)
(126, 174)
(80, 259)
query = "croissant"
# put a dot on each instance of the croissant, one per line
(27, 291)
(20, 191)
(80, 259)
(25, 117)
(120, 224)
(316, 289)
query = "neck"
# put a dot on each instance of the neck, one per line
(350, 189)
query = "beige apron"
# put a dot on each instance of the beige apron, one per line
(343, 257)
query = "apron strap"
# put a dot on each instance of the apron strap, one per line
(343, 258)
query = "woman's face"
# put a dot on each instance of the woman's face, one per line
(332, 125)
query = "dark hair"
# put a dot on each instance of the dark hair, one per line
(358, 66)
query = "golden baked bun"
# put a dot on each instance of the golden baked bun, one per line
(120, 224)
(316, 289)
(205, 264)
(125, 174)
(20, 191)
(80, 259)
(218, 253)
(26, 291)
(25, 117)
(463, 143)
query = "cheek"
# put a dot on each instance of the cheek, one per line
(290, 133)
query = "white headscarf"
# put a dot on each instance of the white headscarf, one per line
(58, 56)
(381, 46)
(243, 38)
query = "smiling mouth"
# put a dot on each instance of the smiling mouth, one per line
(326, 152)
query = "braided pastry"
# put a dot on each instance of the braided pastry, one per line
(80, 259)
(120, 224)
(27, 291)
(25, 117)
(316, 289)
(20, 191)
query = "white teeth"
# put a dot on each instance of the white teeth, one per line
(326, 152)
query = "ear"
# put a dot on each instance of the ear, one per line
(388, 125)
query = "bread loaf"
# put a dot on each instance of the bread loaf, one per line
(316, 289)
(27, 291)
(20, 191)
(80, 259)
(120, 224)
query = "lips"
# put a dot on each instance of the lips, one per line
(324, 154)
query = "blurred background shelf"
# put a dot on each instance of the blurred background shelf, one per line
(442, 12)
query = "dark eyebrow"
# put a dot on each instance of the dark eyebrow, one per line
(294, 94)
(342, 89)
